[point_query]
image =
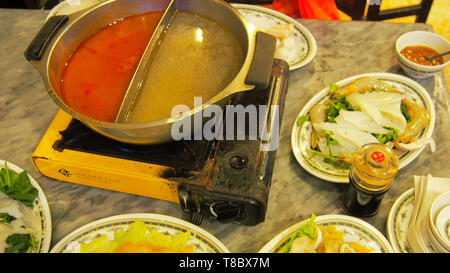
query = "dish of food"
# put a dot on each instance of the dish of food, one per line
(25, 222)
(142, 232)
(295, 44)
(369, 108)
(329, 234)
(417, 54)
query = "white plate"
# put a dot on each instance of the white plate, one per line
(398, 221)
(264, 18)
(300, 137)
(354, 229)
(41, 207)
(201, 240)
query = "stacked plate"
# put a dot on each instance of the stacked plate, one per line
(438, 223)
(419, 220)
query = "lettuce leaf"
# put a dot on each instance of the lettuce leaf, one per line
(20, 243)
(6, 218)
(17, 186)
(308, 229)
(137, 232)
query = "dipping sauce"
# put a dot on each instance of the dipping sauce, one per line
(373, 168)
(98, 73)
(417, 53)
(197, 57)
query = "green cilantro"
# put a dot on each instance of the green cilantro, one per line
(333, 87)
(391, 136)
(333, 108)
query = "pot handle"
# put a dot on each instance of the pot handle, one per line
(36, 49)
(261, 66)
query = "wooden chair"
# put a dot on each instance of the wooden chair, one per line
(353, 8)
(421, 11)
(356, 10)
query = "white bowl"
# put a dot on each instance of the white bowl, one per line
(422, 38)
(437, 246)
(442, 223)
(440, 202)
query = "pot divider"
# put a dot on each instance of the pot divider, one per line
(145, 62)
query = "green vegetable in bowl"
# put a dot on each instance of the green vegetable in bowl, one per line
(332, 160)
(335, 106)
(301, 120)
(333, 87)
(20, 243)
(391, 136)
(6, 218)
(17, 186)
(405, 112)
(308, 230)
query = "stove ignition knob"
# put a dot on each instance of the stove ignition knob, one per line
(224, 210)
(238, 162)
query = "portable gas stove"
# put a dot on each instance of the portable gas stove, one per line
(222, 180)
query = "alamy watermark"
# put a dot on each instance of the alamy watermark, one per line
(250, 122)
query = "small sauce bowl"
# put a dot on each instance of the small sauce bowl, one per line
(421, 38)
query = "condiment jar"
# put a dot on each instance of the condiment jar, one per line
(373, 168)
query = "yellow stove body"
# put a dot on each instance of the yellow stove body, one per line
(111, 173)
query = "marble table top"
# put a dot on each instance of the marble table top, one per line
(344, 49)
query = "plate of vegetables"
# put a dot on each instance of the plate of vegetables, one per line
(139, 233)
(329, 234)
(25, 221)
(368, 108)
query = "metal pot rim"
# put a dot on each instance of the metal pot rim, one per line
(237, 85)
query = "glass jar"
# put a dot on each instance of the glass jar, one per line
(374, 166)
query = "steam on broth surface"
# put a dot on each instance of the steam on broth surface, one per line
(197, 57)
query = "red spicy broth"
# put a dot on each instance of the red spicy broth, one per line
(98, 73)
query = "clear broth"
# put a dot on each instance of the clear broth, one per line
(197, 57)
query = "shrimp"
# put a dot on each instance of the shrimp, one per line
(419, 120)
(345, 158)
(363, 85)
(317, 115)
